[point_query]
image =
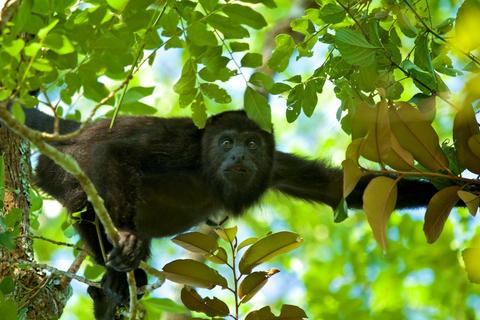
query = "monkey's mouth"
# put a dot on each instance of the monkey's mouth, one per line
(238, 169)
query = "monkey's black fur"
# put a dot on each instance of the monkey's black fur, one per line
(159, 177)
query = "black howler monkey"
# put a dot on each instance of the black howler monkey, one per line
(159, 177)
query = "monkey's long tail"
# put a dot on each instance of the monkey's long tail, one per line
(40, 121)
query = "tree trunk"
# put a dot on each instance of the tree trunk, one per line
(34, 293)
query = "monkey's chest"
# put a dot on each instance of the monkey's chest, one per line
(170, 204)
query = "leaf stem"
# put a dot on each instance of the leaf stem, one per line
(438, 36)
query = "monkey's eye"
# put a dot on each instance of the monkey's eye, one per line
(251, 144)
(227, 144)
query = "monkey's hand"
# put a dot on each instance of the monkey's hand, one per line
(127, 255)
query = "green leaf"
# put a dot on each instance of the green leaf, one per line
(405, 24)
(200, 36)
(59, 43)
(193, 273)
(245, 15)
(310, 98)
(267, 3)
(118, 5)
(211, 307)
(8, 309)
(7, 285)
(422, 56)
(268, 247)
(230, 29)
(199, 111)
(294, 103)
(162, 304)
(284, 46)
(196, 242)
(239, 46)
(187, 98)
(188, 79)
(42, 65)
(41, 7)
(209, 5)
(341, 212)
(134, 94)
(353, 46)
(258, 109)
(295, 79)
(7, 240)
(332, 13)
(262, 80)
(303, 25)
(93, 271)
(14, 47)
(42, 33)
(279, 88)
(445, 26)
(216, 93)
(13, 217)
(17, 112)
(251, 60)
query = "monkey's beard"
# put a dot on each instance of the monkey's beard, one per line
(239, 191)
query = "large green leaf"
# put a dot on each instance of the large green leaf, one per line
(280, 58)
(245, 15)
(268, 247)
(258, 109)
(332, 13)
(354, 48)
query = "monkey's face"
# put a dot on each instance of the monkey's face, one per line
(241, 156)
(237, 158)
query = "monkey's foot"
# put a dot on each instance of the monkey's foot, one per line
(128, 254)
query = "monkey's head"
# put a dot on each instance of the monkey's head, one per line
(237, 157)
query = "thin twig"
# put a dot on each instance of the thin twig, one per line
(438, 36)
(56, 271)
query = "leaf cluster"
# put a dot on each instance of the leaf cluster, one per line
(244, 284)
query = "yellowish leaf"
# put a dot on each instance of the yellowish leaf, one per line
(353, 150)
(212, 307)
(417, 136)
(471, 258)
(267, 248)
(196, 242)
(351, 175)
(253, 283)
(438, 211)
(471, 200)
(227, 234)
(465, 126)
(377, 143)
(474, 144)
(362, 120)
(379, 199)
(193, 273)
